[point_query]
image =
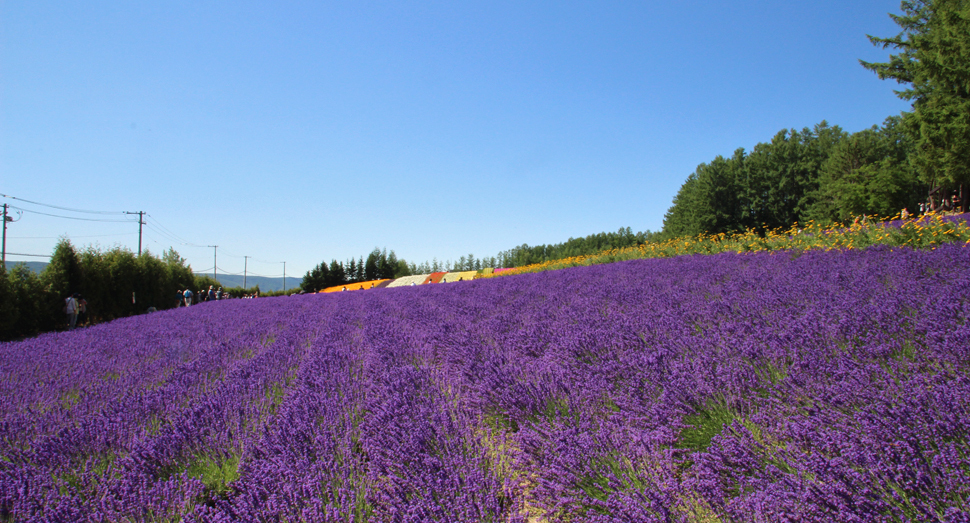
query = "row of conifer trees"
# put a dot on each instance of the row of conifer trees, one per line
(115, 283)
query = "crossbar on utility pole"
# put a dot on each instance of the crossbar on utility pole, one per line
(141, 221)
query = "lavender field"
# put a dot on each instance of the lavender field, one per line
(816, 386)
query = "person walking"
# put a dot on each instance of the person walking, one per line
(82, 309)
(70, 308)
(187, 296)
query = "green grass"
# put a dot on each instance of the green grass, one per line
(216, 473)
(69, 398)
(704, 424)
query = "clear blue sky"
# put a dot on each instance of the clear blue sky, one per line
(307, 131)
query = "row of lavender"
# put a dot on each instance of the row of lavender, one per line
(769, 387)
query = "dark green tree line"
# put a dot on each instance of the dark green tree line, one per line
(115, 283)
(825, 174)
(592, 244)
(775, 185)
(822, 174)
(379, 265)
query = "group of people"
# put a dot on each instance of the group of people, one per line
(187, 297)
(75, 306)
(954, 203)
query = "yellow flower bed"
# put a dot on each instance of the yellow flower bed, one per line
(363, 285)
(926, 231)
(456, 276)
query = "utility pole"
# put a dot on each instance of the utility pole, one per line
(141, 221)
(5, 220)
(214, 265)
(284, 276)
(245, 267)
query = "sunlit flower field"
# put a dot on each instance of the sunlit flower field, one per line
(924, 231)
(819, 385)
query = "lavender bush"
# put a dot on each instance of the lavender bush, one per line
(816, 386)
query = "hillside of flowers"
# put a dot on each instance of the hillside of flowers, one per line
(924, 231)
(826, 385)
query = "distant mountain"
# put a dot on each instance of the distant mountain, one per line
(265, 284)
(34, 266)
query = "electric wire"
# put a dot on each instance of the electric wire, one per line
(248, 274)
(155, 226)
(163, 234)
(72, 217)
(70, 236)
(250, 257)
(59, 207)
(171, 234)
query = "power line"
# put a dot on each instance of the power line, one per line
(206, 271)
(59, 207)
(175, 237)
(71, 217)
(154, 225)
(70, 236)
(250, 257)
(163, 233)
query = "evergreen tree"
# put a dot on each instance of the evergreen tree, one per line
(61, 278)
(775, 185)
(338, 275)
(30, 300)
(682, 218)
(152, 284)
(9, 314)
(403, 268)
(180, 275)
(387, 265)
(934, 63)
(371, 266)
(316, 279)
(352, 271)
(868, 173)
